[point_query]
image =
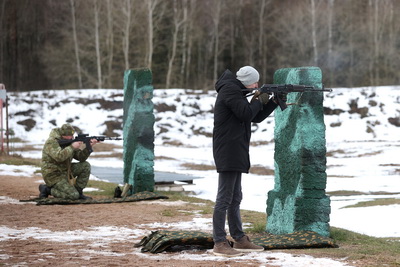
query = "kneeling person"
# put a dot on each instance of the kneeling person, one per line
(63, 178)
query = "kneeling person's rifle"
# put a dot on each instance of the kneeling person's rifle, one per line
(277, 89)
(85, 138)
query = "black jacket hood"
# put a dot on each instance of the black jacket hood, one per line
(227, 78)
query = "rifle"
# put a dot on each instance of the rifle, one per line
(85, 138)
(276, 89)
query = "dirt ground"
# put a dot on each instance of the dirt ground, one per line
(59, 220)
(63, 218)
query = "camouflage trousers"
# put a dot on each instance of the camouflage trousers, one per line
(63, 189)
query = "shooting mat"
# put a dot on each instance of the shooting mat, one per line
(132, 198)
(159, 241)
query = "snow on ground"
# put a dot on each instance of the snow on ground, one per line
(363, 151)
(101, 237)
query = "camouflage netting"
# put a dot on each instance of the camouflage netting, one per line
(159, 241)
(133, 198)
(301, 239)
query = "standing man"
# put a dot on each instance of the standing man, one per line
(233, 115)
(63, 178)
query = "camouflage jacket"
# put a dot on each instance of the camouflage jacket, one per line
(56, 160)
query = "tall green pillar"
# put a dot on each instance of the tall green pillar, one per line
(298, 200)
(138, 130)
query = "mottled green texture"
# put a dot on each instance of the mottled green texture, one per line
(132, 198)
(138, 130)
(298, 201)
(159, 241)
(63, 189)
(56, 160)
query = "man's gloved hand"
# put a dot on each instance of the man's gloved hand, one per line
(264, 98)
(255, 96)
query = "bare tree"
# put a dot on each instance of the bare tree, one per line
(127, 11)
(97, 44)
(81, 43)
(188, 38)
(184, 38)
(216, 20)
(151, 6)
(314, 32)
(331, 7)
(381, 34)
(292, 39)
(351, 46)
(263, 19)
(392, 59)
(76, 45)
(178, 20)
(110, 42)
(2, 9)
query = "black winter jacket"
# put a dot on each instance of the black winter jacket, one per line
(233, 115)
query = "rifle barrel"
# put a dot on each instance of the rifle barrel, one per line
(287, 89)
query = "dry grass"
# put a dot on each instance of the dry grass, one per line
(18, 160)
(375, 202)
(261, 170)
(356, 249)
(105, 147)
(200, 167)
(256, 169)
(111, 155)
(358, 193)
(259, 143)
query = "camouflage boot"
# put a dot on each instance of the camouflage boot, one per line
(224, 249)
(245, 245)
(44, 190)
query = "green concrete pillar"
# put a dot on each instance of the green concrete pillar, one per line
(138, 130)
(298, 200)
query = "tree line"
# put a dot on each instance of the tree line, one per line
(61, 44)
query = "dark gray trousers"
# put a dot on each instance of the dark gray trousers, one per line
(228, 201)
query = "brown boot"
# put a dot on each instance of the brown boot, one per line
(224, 249)
(245, 245)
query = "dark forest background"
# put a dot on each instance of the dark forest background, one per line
(61, 44)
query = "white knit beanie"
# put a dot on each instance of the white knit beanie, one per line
(247, 75)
